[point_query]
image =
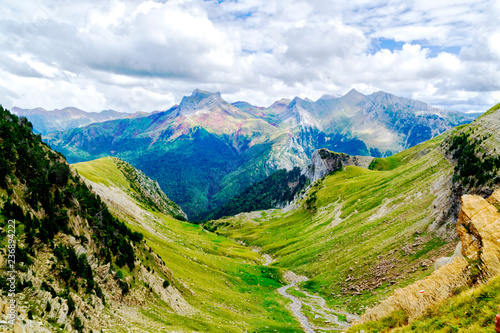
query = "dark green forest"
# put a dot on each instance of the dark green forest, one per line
(279, 188)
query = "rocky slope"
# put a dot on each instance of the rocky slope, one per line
(476, 261)
(325, 162)
(284, 187)
(138, 185)
(45, 122)
(215, 150)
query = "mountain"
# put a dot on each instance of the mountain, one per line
(202, 151)
(97, 249)
(205, 150)
(283, 187)
(45, 122)
(368, 239)
(137, 184)
(385, 123)
(72, 257)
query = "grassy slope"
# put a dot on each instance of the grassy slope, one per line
(231, 291)
(350, 219)
(472, 310)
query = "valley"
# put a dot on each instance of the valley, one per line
(357, 230)
(249, 166)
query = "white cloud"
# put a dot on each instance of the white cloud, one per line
(144, 55)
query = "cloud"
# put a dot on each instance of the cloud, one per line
(144, 55)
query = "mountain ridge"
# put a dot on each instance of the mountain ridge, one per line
(205, 131)
(48, 121)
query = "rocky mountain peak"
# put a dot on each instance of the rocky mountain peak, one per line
(329, 96)
(200, 100)
(353, 97)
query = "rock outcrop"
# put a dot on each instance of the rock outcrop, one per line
(477, 259)
(478, 227)
(325, 161)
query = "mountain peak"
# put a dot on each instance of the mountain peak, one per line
(202, 93)
(353, 96)
(198, 100)
(353, 92)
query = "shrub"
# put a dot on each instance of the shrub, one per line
(124, 286)
(77, 324)
(119, 274)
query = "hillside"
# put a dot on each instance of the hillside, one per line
(222, 282)
(68, 245)
(359, 234)
(134, 184)
(85, 266)
(45, 122)
(205, 151)
(282, 187)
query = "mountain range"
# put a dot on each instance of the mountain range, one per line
(45, 122)
(205, 150)
(101, 247)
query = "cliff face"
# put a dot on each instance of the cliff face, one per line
(478, 227)
(148, 190)
(325, 161)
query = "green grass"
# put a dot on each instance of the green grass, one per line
(230, 289)
(357, 215)
(103, 171)
(397, 319)
(490, 111)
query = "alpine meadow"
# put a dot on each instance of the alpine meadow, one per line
(250, 166)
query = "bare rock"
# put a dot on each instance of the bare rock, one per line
(426, 263)
(478, 227)
(103, 271)
(291, 277)
(62, 314)
(325, 161)
(18, 328)
(446, 260)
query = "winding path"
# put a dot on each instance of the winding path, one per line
(317, 307)
(296, 305)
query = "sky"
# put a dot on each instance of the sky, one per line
(146, 55)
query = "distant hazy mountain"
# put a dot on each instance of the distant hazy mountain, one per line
(205, 150)
(45, 122)
(385, 123)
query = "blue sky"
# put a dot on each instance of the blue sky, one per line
(145, 55)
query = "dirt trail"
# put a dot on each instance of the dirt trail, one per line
(296, 305)
(316, 303)
(269, 259)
